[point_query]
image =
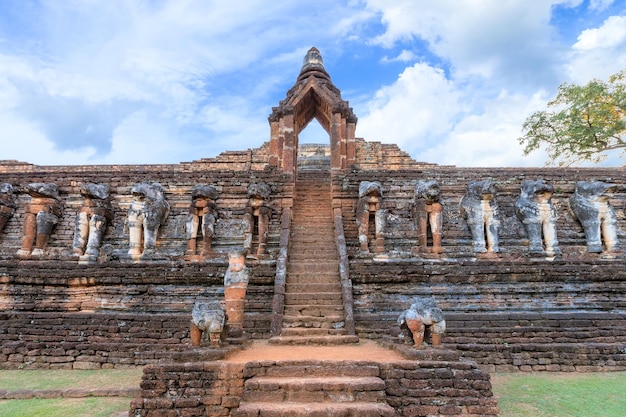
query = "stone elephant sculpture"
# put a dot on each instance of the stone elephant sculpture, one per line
(207, 323)
(92, 220)
(535, 210)
(148, 211)
(424, 316)
(257, 213)
(590, 204)
(427, 213)
(480, 209)
(202, 215)
(7, 203)
(369, 207)
(41, 216)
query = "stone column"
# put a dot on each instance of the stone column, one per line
(235, 286)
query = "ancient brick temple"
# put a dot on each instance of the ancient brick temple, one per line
(100, 267)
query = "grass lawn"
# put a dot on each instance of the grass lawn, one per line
(561, 394)
(66, 379)
(66, 407)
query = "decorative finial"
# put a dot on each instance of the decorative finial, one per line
(313, 57)
(313, 62)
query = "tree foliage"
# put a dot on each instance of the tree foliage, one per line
(585, 123)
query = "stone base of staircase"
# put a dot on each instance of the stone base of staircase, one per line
(434, 382)
(314, 388)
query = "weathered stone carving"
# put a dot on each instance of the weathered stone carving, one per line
(480, 209)
(258, 214)
(428, 211)
(235, 287)
(207, 323)
(92, 221)
(7, 203)
(590, 204)
(423, 318)
(147, 213)
(42, 214)
(535, 210)
(370, 208)
(202, 215)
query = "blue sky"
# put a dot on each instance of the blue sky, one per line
(139, 81)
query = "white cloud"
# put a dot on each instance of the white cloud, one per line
(404, 56)
(439, 120)
(599, 52)
(611, 34)
(489, 138)
(600, 5)
(39, 150)
(509, 41)
(417, 109)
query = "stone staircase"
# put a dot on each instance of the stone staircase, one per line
(314, 388)
(313, 310)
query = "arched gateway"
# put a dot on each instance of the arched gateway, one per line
(312, 96)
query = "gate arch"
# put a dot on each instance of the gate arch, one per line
(312, 96)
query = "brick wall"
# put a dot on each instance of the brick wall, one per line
(113, 315)
(189, 389)
(468, 288)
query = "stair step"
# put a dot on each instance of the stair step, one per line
(314, 299)
(312, 310)
(317, 368)
(312, 287)
(313, 327)
(312, 267)
(353, 409)
(313, 278)
(337, 389)
(314, 253)
(309, 310)
(300, 320)
(314, 340)
(311, 331)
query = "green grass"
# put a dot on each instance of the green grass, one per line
(561, 394)
(66, 407)
(65, 379)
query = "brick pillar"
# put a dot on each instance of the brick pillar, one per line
(290, 145)
(275, 147)
(350, 142)
(335, 141)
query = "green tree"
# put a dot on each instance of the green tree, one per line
(585, 123)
